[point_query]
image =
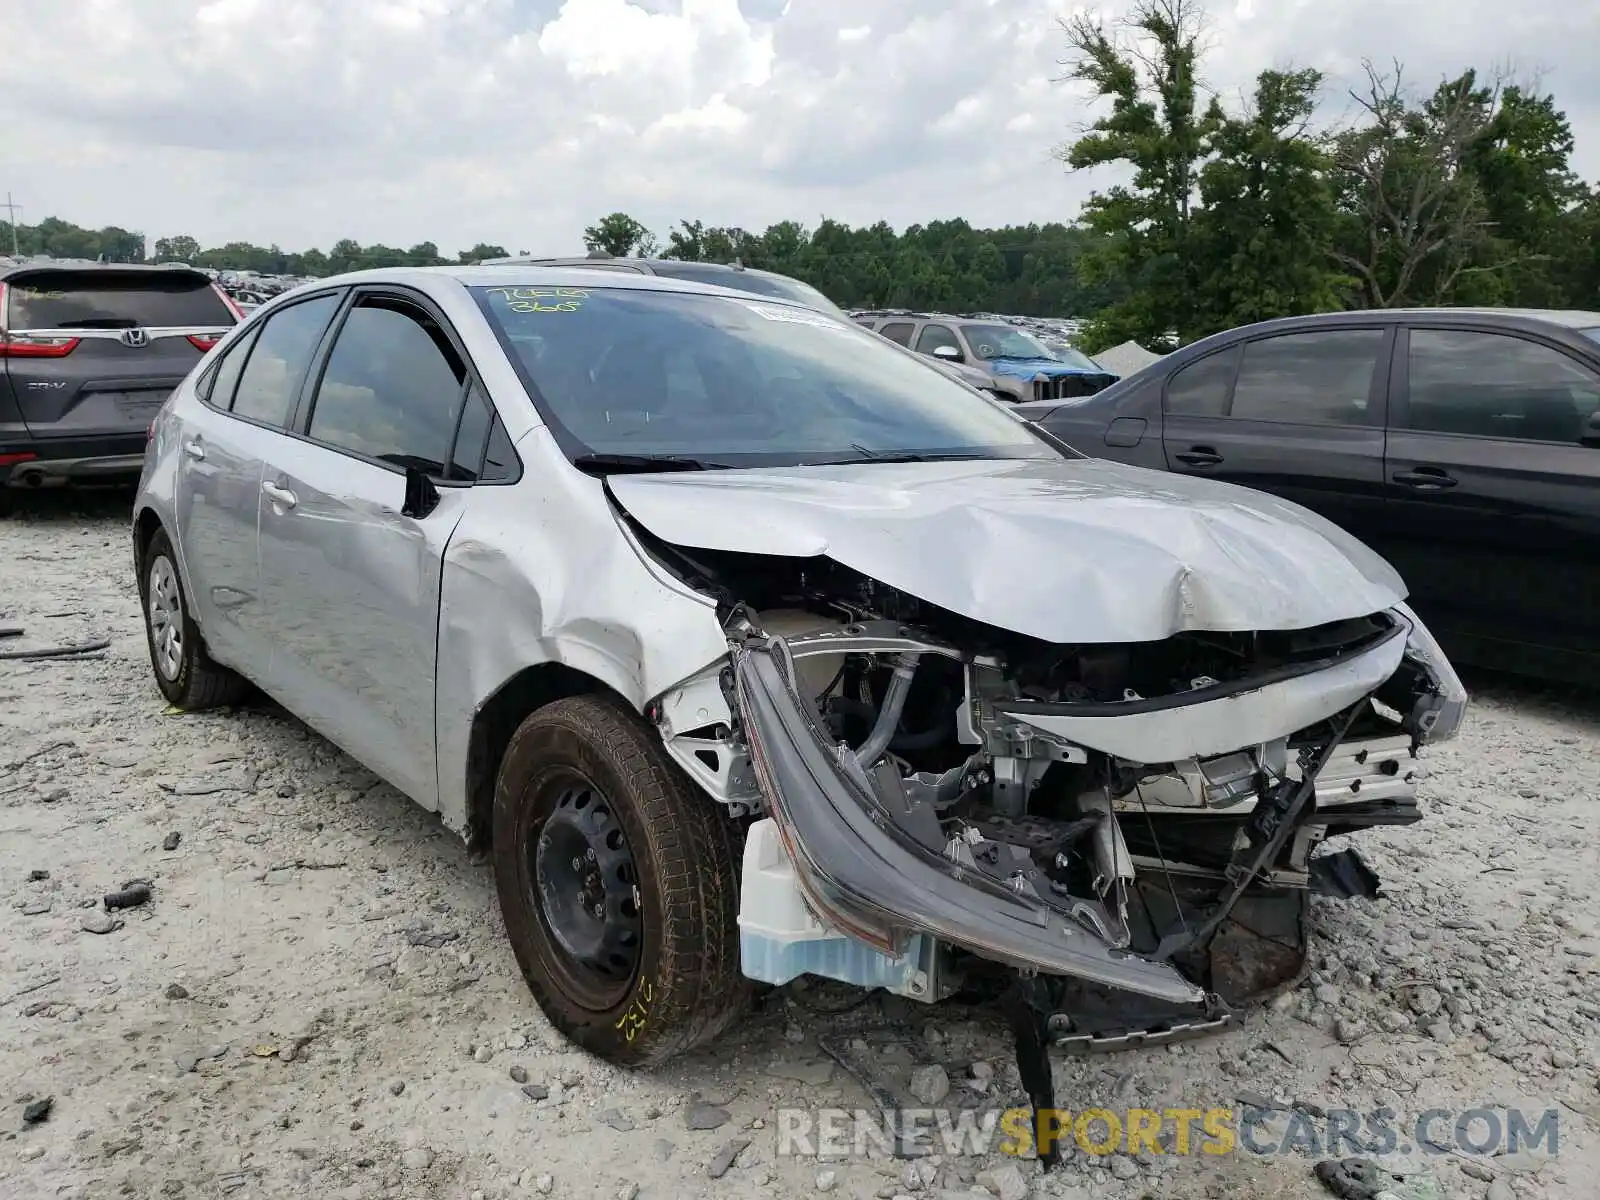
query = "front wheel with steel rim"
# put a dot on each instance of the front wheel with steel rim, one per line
(618, 883)
(184, 671)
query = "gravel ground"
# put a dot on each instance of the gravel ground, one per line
(318, 1001)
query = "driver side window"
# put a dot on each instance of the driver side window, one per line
(391, 389)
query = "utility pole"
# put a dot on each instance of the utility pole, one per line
(13, 210)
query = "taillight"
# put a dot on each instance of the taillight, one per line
(35, 345)
(21, 456)
(204, 341)
(237, 312)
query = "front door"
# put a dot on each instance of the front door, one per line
(350, 571)
(1494, 499)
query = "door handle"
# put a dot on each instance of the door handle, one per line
(279, 495)
(1424, 479)
(1199, 456)
(194, 449)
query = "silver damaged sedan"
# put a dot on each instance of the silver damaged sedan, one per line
(754, 649)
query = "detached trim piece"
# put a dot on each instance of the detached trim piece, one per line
(876, 884)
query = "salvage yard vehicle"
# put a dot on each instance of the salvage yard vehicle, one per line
(751, 649)
(1463, 445)
(88, 354)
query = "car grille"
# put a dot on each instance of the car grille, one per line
(1070, 387)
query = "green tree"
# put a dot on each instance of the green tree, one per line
(1263, 238)
(1146, 67)
(424, 254)
(1521, 165)
(182, 248)
(621, 236)
(482, 251)
(1413, 218)
(344, 256)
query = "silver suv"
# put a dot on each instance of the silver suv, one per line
(754, 649)
(1007, 362)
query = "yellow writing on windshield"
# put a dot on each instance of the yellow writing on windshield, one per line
(541, 299)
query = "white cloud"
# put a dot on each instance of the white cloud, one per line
(520, 121)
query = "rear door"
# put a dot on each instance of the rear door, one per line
(245, 402)
(1299, 414)
(93, 353)
(1494, 499)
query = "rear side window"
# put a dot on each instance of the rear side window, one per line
(898, 331)
(1497, 385)
(1201, 388)
(392, 388)
(277, 365)
(107, 300)
(218, 388)
(1320, 378)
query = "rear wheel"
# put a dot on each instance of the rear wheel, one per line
(185, 673)
(618, 884)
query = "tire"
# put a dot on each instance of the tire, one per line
(184, 671)
(582, 774)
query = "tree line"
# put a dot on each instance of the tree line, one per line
(1461, 194)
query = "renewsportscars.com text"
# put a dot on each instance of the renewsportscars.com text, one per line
(1169, 1131)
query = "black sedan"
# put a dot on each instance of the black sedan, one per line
(1462, 444)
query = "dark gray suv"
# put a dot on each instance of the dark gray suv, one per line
(88, 354)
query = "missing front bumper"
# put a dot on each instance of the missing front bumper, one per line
(869, 879)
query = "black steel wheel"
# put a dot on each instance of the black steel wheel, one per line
(618, 882)
(587, 888)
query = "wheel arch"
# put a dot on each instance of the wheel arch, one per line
(147, 522)
(498, 717)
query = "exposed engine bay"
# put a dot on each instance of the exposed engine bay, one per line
(1128, 832)
(1003, 758)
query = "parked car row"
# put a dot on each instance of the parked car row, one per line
(995, 355)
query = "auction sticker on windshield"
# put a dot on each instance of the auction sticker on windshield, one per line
(793, 316)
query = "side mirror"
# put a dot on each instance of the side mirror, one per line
(1591, 430)
(948, 353)
(421, 496)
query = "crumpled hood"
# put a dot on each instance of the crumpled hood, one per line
(1063, 550)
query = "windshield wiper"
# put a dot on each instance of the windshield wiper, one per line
(643, 463)
(891, 456)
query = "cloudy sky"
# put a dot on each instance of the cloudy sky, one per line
(520, 121)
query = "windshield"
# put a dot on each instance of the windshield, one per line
(1593, 334)
(731, 382)
(1003, 341)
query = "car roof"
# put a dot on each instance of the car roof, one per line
(1566, 318)
(539, 274)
